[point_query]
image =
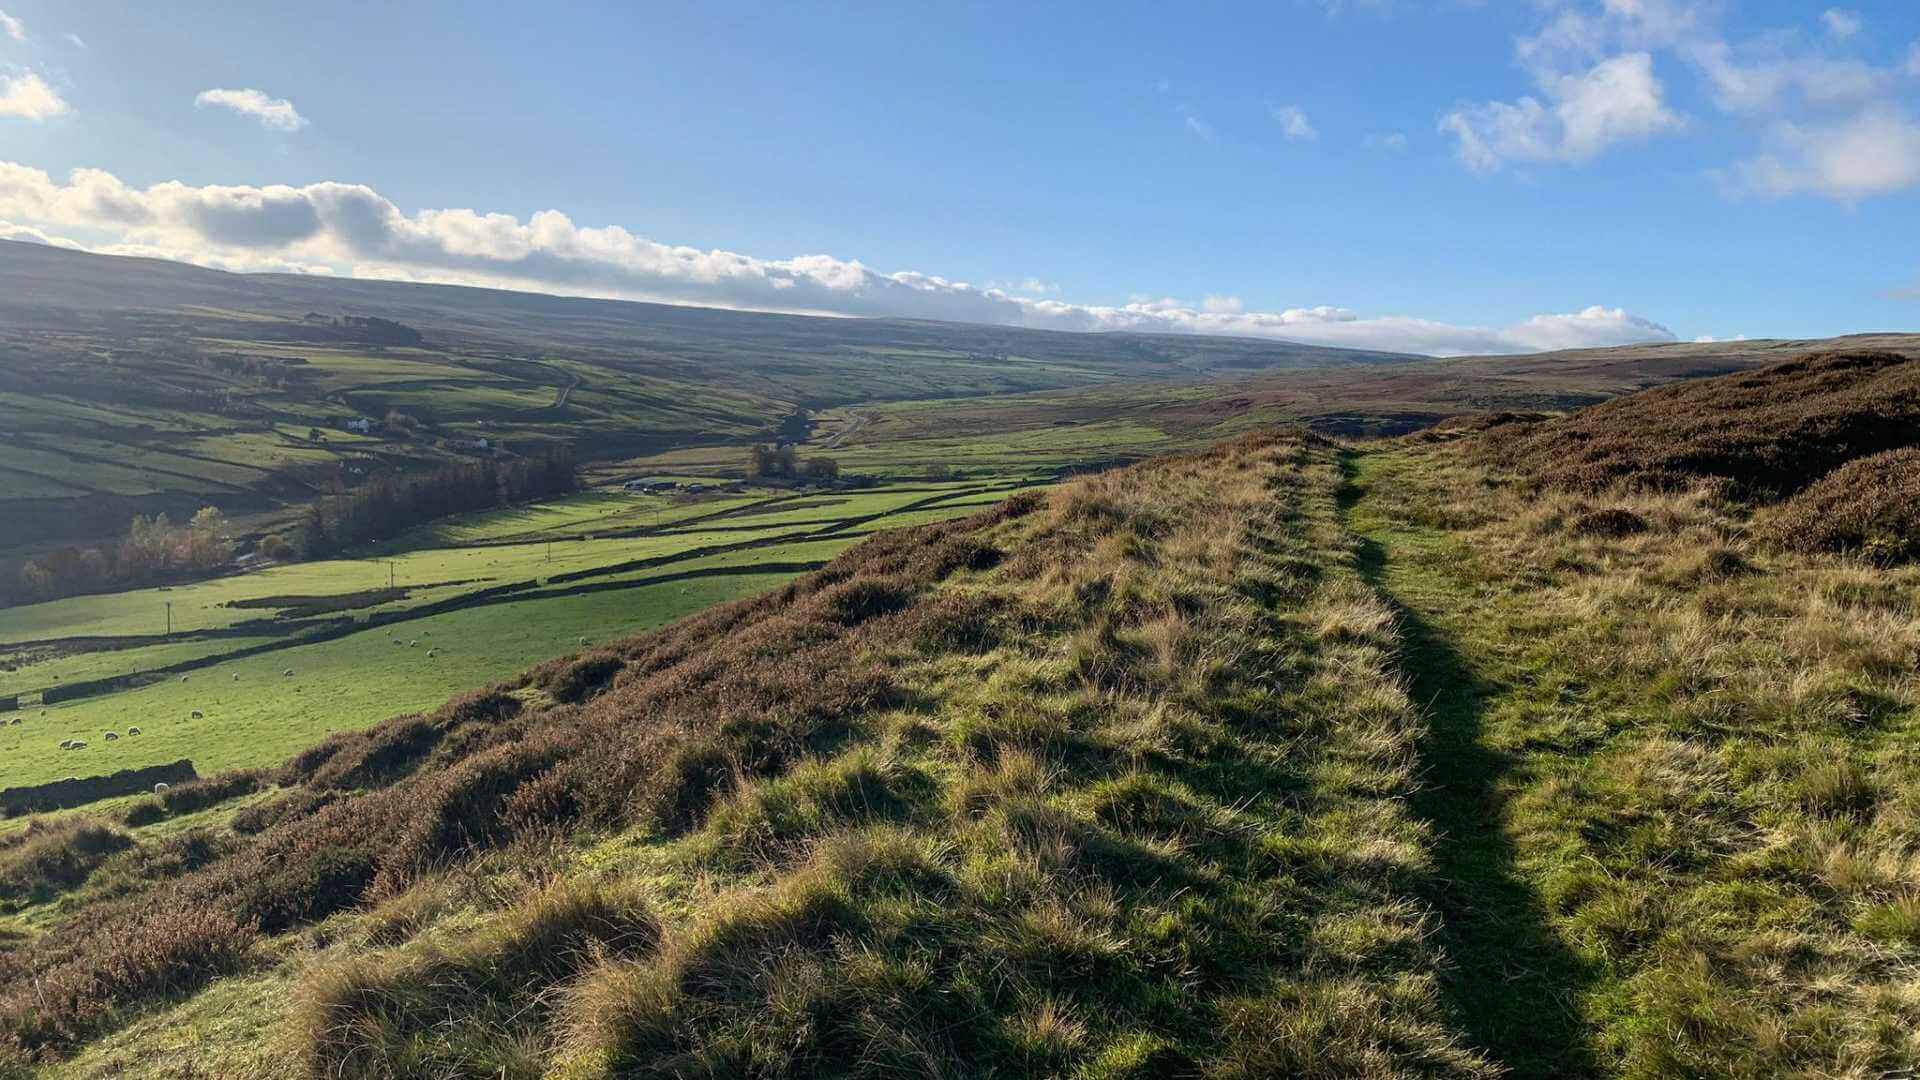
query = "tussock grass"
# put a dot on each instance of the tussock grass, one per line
(1706, 745)
(1112, 782)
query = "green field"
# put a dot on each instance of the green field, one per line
(697, 551)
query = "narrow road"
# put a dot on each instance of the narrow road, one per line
(1514, 987)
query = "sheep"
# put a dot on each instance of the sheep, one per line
(78, 744)
(183, 678)
(236, 676)
(584, 641)
(15, 722)
(66, 744)
(413, 644)
(288, 673)
(198, 715)
(111, 736)
(160, 787)
(133, 731)
(431, 653)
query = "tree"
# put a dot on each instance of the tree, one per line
(276, 547)
(821, 468)
(207, 545)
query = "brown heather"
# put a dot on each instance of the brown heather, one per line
(1767, 433)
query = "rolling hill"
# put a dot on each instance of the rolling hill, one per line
(141, 386)
(1283, 757)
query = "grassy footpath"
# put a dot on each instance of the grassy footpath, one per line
(1516, 986)
(1671, 776)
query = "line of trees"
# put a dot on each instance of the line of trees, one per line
(154, 550)
(784, 461)
(387, 506)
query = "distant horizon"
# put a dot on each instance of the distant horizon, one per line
(691, 306)
(1421, 176)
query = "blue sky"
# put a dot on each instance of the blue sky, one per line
(1441, 176)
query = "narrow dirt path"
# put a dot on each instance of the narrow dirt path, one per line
(1515, 987)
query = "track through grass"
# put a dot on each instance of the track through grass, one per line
(1515, 985)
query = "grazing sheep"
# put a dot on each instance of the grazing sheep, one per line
(160, 787)
(111, 736)
(236, 676)
(78, 744)
(15, 722)
(413, 644)
(66, 744)
(583, 641)
(288, 673)
(198, 715)
(183, 678)
(431, 653)
(133, 731)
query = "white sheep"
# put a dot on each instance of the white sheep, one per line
(66, 744)
(111, 736)
(133, 731)
(198, 715)
(431, 653)
(288, 673)
(78, 744)
(413, 644)
(236, 676)
(160, 787)
(584, 641)
(183, 678)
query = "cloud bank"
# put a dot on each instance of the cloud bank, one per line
(350, 228)
(276, 113)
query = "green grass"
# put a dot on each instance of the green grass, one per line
(348, 683)
(1670, 774)
(364, 678)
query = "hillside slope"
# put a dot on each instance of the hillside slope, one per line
(1278, 759)
(1079, 782)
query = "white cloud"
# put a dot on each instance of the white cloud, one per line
(13, 27)
(1829, 122)
(1841, 24)
(276, 113)
(1293, 122)
(1616, 100)
(28, 97)
(1198, 127)
(1873, 153)
(75, 41)
(1393, 141)
(351, 228)
(1758, 79)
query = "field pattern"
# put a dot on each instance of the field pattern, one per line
(523, 584)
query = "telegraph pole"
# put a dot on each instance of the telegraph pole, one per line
(169, 604)
(389, 575)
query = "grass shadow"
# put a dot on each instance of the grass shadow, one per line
(1514, 984)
